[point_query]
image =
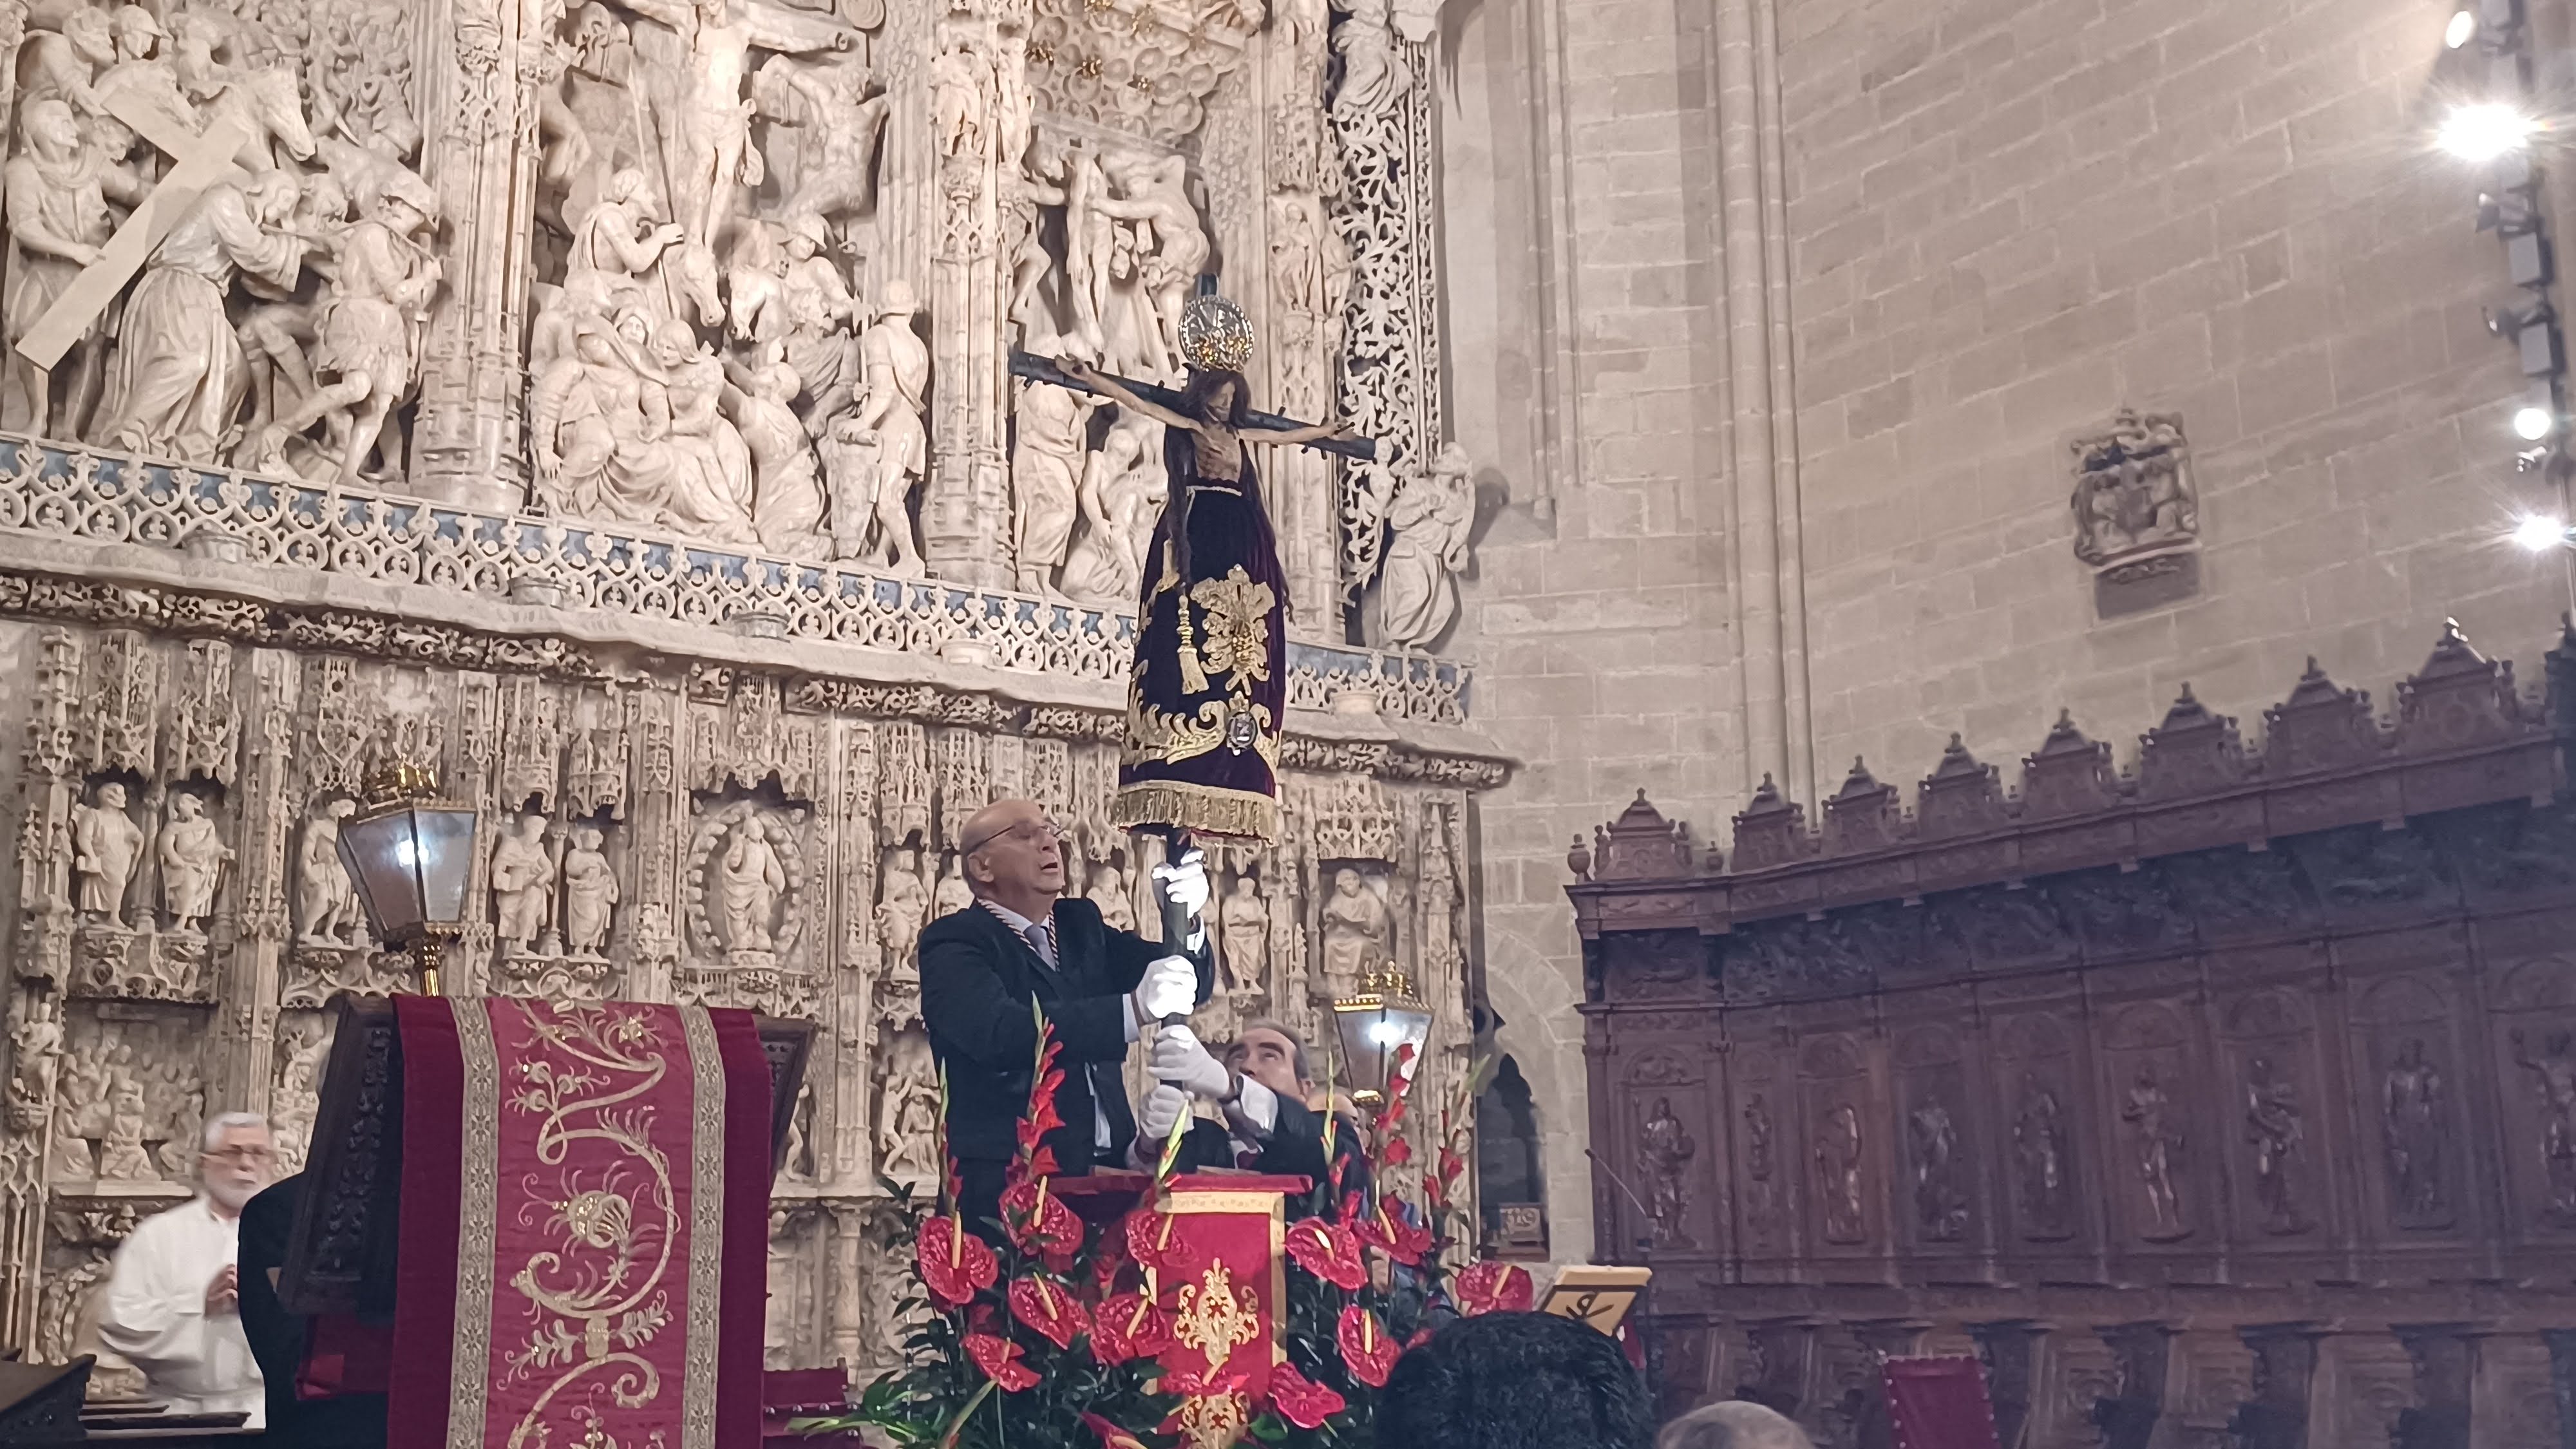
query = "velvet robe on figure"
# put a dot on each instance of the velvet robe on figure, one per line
(1209, 692)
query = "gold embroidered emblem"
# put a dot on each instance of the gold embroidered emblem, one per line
(1213, 1421)
(1215, 1317)
(1235, 618)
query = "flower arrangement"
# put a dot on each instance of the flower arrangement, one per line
(1053, 1338)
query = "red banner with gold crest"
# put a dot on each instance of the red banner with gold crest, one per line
(584, 1215)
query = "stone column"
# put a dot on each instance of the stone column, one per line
(475, 72)
(1770, 580)
(981, 107)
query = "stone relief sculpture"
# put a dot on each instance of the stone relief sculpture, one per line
(382, 284)
(1243, 933)
(57, 193)
(1110, 891)
(2553, 1078)
(522, 878)
(106, 846)
(1123, 488)
(2412, 1127)
(887, 444)
(180, 375)
(1359, 932)
(1838, 1175)
(749, 886)
(2040, 1151)
(1428, 523)
(35, 1059)
(190, 856)
(2156, 1144)
(2133, 489)
(2276, 1129)
(903, 908)
(1046, 465)
(299, 1087)
(908, 1111)
(590, 893)
(1667, 1148)
(326, 902)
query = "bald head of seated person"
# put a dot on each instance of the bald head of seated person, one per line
(1024, 941)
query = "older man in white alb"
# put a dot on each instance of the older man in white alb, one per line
(173, 1304)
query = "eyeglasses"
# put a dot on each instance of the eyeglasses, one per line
(241, 1156)
(1027, 832)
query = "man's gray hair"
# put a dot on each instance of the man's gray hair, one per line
(1735, 1424)
(217, 1126)
(1296, 1043)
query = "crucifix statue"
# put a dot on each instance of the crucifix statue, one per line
(1208, 692)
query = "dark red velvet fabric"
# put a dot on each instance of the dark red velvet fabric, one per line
(425, 1277)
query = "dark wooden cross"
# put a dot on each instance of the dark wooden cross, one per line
(1043, 369)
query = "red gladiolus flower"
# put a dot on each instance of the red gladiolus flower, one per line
(1129, 1326)
(1329, 1251)
(954, 1263)
(1399, 1151)
(1047, 1310)
(1111, 1436)
(1368, 1350)
(1394, 1236)
(999, 1358)
(1038, 1221)
(1300, 1400)
(1491, 1287)
(1154, 1241)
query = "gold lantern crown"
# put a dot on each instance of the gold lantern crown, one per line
(1215, 336)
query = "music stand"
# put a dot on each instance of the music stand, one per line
(1598, 1295)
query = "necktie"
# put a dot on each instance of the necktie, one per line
(1041, 937)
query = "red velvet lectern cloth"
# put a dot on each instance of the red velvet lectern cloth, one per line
(585, 1215)
(1228, 1295)
(1939, 1403)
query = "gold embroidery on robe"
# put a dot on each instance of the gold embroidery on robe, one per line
(1234, 619)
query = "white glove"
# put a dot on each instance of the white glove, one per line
(1179, 1059)
(1186, 882)
(1170, 988)
(1163, 1107)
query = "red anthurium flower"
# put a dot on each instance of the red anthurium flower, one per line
(1394, 1236)
(954, 1263)
(1491, 1287)
(1046, 1309)
(1129, 1326)
(999, 1358)
(1154, 1241)
(1329, 1251)
(1368, 1350)
(1300, 1400)
(1420, 1337)
(1038, 1220)
(1111, 1436)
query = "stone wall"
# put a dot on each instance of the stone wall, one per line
(1786, 319)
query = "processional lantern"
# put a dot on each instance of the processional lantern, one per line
(1375, 1027)
(409, 854)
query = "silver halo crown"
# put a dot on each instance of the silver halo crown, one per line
(1215, 336)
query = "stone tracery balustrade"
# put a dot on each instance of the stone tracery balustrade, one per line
(89, 495)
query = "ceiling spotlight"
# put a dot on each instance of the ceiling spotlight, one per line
(2533, 423)
(2484, 131)
(2462, 29)
(2539, 533)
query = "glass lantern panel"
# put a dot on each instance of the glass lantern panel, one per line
(446, 840)
(379, 855)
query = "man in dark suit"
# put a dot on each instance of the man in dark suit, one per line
(1100, 988)
(278, 1339)
(1262, 1089)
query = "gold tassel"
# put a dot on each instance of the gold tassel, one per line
(1193, 678)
